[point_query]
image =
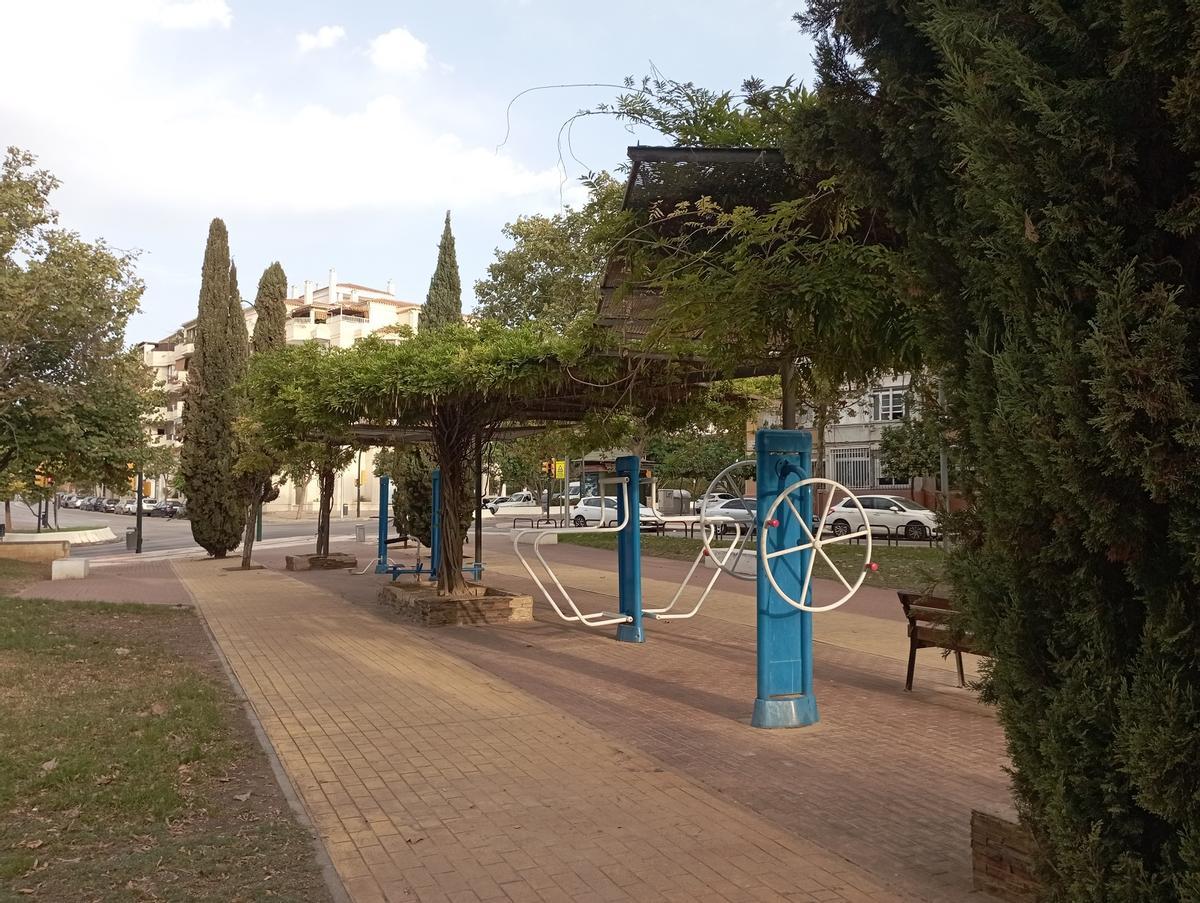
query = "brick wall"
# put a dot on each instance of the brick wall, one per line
(1002, 859)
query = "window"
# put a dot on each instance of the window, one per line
(887, 404)
(853, 467)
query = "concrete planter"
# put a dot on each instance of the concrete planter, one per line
(480, 605)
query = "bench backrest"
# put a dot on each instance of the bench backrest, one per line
(930, 609)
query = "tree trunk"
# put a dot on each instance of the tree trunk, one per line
(252, 512)
(787, 381)
(452, 436)
(820, 428)
(8, 515)
(325, 481)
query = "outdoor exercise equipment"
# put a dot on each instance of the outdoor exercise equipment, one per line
(720, 558)
(384, 565)
(628, 526)
(813, 541)
(730, 481)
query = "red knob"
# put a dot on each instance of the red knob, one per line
(873, 566)
(773, 522)
(705, 553)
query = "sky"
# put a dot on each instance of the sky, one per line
(336, 135)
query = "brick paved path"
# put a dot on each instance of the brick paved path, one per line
(150, 582)
(430, 779)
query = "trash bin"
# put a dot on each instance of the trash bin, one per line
(360, 533)
(345, 510)
(131, 539)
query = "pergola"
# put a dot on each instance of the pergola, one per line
(628, 322)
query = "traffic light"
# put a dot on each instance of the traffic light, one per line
(546, 466)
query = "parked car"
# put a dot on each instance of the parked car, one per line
(592, 509)
(167, 508)
(127, 506)
(109, 506)
(517, 499)
(898, 515)
(712, 498)
(81, 501)
(742, 511)
(93, 503)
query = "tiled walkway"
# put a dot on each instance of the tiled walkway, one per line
(430, 778)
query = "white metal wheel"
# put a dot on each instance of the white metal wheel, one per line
(814, 541)
(732, 480)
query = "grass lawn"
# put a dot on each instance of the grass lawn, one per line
(900, 567)
(129, 770)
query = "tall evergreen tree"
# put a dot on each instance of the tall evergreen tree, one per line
(257, 462)
(270, 325)
(239, 339)
(1040, 162)
(207, 457)
(443, 304)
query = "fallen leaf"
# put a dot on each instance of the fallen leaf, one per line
(31, 844)
(121, 650)
(242, 797)
(159, 709)
(72, 813)
(50, 766)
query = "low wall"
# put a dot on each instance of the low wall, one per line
(75, 537)
(1002, 859)
(34, 552)
(484, 605)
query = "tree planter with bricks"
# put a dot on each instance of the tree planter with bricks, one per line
(478, 605)
(1002, 856)
(331, 562)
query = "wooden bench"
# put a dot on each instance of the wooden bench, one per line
(930, 626)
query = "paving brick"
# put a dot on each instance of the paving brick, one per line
(336, 682)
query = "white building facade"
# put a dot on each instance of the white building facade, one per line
(852, 441)
(335, 315)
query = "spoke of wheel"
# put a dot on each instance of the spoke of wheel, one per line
(799, 518)
(859, 535)
(807, 579)
(833, 568)
(790, 550)
(820, 531)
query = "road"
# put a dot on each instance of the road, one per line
(162, 535)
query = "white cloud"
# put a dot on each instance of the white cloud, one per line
(324, 37)
(398, 51)
(214, 145)
(191, 14)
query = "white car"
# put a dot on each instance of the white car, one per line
(592, 509)
(712, 498)
(726, 512)
(900, 517)
(522, 499)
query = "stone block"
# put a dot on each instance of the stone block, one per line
(69, 569)
(34, 552)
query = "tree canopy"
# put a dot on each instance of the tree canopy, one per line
(551, 273)
(1038, 165)
(71, 395)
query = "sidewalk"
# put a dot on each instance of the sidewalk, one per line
(430, 779)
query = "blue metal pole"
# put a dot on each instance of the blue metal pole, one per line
(384, 488)
(629, 552)
(785, 692)
(435, 543)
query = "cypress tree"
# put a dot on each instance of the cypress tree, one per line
(269, 335)
(207, 456)
(1039, 163)
(443, 304)
(239, 340)
(270, 326)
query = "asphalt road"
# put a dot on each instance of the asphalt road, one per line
(161, 535)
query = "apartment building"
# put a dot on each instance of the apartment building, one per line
(335, 315)
(852, 441)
